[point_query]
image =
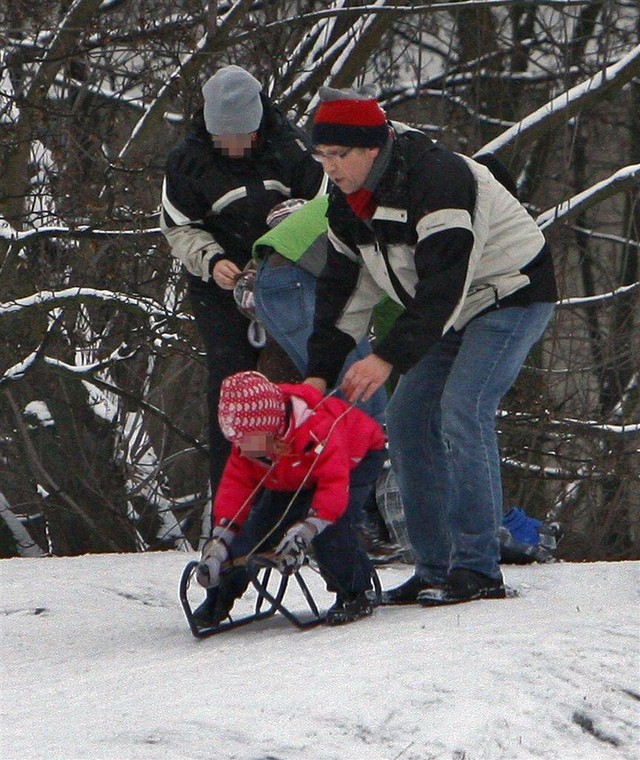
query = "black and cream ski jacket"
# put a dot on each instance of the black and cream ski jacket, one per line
(448, 241)
(215, 206)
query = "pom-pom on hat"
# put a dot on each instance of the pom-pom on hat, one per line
(282, 210)
(349, 118)
(232, 103)
(249, 403)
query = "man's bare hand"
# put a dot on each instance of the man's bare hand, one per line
(364, 378)
(225, 273)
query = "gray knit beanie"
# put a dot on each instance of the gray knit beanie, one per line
(232, 102)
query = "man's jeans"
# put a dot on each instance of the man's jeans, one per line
(285, 298)
(443, 441)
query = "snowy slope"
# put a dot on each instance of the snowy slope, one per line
(97, 663)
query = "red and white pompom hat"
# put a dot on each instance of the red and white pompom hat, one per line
(250, 403)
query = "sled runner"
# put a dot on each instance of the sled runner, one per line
(270, 585)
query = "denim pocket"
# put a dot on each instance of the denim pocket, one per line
(285, 299)
(286, 306)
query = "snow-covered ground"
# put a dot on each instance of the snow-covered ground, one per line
(97, 663)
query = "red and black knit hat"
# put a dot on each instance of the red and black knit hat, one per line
(349, 118)
(249, 403)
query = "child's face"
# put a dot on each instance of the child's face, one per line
(257, 445)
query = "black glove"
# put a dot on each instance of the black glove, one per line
(291, 551)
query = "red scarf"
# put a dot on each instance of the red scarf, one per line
(362, 203)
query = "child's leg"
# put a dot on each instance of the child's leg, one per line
(362, 483)
(221, 598)
(342, 560)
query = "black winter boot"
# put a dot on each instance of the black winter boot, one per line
(407, 593)
(348, 608)
(463, 585)
(205, 615)
(220, 599)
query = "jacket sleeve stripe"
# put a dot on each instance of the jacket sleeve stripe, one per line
(443, 219)
(273, 184)
(228, 198)
(174, 214)
(324, 186)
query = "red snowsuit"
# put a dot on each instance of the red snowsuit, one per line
(319, 440)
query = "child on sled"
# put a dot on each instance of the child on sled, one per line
(300, 469)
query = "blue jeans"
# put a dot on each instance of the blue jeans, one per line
(285, 298)
(443, 442)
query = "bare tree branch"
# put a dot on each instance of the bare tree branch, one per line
(25, 544)
(568, 104)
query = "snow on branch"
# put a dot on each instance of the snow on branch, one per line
(628, 176)
(18, 370)
(339, 9)
(121, 353)
(569, 103)
(589, 425)
(342, 50)
(550, 472)
(335, 59)
(581, 300)
(607, 236)
(8, 233)
(600, 427)
(52, 298)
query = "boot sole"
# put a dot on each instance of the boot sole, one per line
(339, 618)
(442, 599)
(397, 603)
(386, 601)
(342, 619)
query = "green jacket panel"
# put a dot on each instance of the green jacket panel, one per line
(301, 237)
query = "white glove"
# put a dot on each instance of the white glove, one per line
(291, 551)
(214, 553)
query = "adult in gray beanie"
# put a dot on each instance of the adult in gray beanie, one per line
(239, 159)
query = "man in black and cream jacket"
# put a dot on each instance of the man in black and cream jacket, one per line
(439, 234)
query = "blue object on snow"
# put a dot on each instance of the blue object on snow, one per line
(523, 529)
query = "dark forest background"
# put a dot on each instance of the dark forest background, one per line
(102, 379)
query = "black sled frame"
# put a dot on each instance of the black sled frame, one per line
(260, 569)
